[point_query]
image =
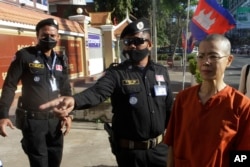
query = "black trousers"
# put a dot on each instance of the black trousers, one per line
(155, 157)
(43, 142)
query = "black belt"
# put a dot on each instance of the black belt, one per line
(42, 115)
(147, 144)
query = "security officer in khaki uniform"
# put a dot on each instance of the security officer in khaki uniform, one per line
(43, 74)
(141, 99)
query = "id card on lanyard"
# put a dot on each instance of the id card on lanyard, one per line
(160, 90)
(52, 78)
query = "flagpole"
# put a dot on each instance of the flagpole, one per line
(185, 50)
(154, 30)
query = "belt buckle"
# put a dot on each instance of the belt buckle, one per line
(131, 144)
(151, 143)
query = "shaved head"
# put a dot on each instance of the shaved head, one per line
(225, 43)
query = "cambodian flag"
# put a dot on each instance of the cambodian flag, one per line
(189, 40)
(210, 18)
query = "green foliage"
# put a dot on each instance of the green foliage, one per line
(138, 9)
(177, 57)
(108, 100)
(141, 8)
(198, 76)
(170, 14)
(191, 56)
(162, 56)
(194, 71)
(98, 121)
(171, 19)
(192, 66)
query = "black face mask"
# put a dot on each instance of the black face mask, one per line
(136, 55)
(47, 43)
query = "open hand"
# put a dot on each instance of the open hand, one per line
(3, 123)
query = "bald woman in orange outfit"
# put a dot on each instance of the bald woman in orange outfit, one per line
(210, 119)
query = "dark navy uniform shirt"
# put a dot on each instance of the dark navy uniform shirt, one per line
(33, 69)
(138, 113)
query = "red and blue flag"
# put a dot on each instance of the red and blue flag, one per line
(209, 18)
(189, 40)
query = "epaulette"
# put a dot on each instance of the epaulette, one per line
(113, 65)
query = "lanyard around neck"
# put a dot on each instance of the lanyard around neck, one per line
(51, 68)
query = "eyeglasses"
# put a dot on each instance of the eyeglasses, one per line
(135, 41)
(211, 58)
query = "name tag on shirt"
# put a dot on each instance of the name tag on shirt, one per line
(160, 90)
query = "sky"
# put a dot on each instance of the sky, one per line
(89, 0)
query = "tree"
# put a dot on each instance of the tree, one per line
(171, 20)
(137, 8)
(171, 15)
(143, 8)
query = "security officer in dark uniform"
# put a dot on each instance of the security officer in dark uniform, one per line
(141, 99)
(44, 76)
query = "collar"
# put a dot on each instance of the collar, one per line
(130, 65)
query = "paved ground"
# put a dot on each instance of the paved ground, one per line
(87, 144)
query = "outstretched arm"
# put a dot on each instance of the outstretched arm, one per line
(61, 106)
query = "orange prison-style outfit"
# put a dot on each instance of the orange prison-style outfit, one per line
(203, 135)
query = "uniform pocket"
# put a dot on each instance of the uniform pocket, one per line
(131, 89)
(20, 118)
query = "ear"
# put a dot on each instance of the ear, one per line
(230, 60)
(150, 45)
